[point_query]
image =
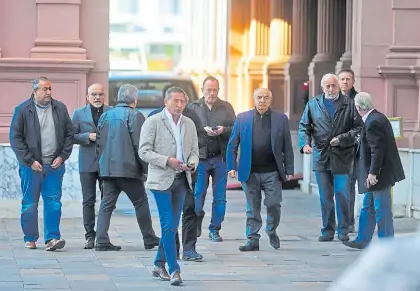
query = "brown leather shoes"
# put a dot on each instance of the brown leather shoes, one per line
(176, 279)
(161, 273)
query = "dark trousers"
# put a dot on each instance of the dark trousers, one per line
(189, 221)
(353, 180)
(88, 182)
(331, 186)
(270, 183)
(134, 188)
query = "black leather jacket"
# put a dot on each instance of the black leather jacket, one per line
(224, 115)
(117, 143)
(317, 129)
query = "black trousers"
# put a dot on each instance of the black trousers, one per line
(189, 222)
(134, 188)
(88, 182)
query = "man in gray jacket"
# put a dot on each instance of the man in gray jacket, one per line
(85, 121)
(169, 144)
(120, 167)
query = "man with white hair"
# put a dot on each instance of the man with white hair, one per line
(379, 168)
(120, 167)
(327, 130)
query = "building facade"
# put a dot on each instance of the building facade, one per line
(279, 44)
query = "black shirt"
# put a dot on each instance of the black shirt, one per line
(96, 113)
(213, 146)
(263, 160)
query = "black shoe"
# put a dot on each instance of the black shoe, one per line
(151, 244)
(215, 236)
(107, 247)
(250, 246)
(90, 243)
(354, 244)
(274, 240)
(343, 237)
(199, 225)
(192, 255)
(325, 238)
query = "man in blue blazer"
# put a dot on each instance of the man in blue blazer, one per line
(85, 121)
(262, 136)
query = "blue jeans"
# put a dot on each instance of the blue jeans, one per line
(48, 184)
(377, 209)
(169, 204)
(216, 168)
(330, 185)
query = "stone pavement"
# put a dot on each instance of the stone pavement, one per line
(301, 263)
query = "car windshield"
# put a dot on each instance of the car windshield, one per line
(150, 93)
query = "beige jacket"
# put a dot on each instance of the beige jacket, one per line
(157, 144)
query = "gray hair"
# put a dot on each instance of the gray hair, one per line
(127, 94)
(364, 101)
(175, 89)
(35, 82)
(326, 77)
(258, 89)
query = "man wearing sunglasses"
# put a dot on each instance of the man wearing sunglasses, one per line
(85, 121)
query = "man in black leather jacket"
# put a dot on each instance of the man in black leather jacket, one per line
(120, 167)
(346, 81)
(327, 130)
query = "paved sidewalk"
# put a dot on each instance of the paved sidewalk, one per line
(301, 263)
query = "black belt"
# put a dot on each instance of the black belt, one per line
(209, 155)
(180, 175)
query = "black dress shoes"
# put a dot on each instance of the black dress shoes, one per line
(107, 247)
(250, 246)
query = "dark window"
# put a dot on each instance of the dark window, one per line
(150, 94)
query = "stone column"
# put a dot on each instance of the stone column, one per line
(304, 34)
(346, 58)
(259, 35)
(239, 22)
(331, 41)
(279, 49)
(55, 37)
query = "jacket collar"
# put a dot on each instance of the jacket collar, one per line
(122, 105)
(202, 103)
(344, 99)
(33, 103)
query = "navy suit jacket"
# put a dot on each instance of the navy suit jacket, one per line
(83, 125)
(241, 139)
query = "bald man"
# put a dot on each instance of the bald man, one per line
(261, 138)
(85, 121)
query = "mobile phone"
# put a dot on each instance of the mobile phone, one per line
(214, 128)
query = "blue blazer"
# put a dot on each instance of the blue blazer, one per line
(83, 125)
(241, 139)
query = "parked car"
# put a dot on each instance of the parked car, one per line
(150, 87)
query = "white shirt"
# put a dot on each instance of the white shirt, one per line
(367, 115)
(176, 128)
